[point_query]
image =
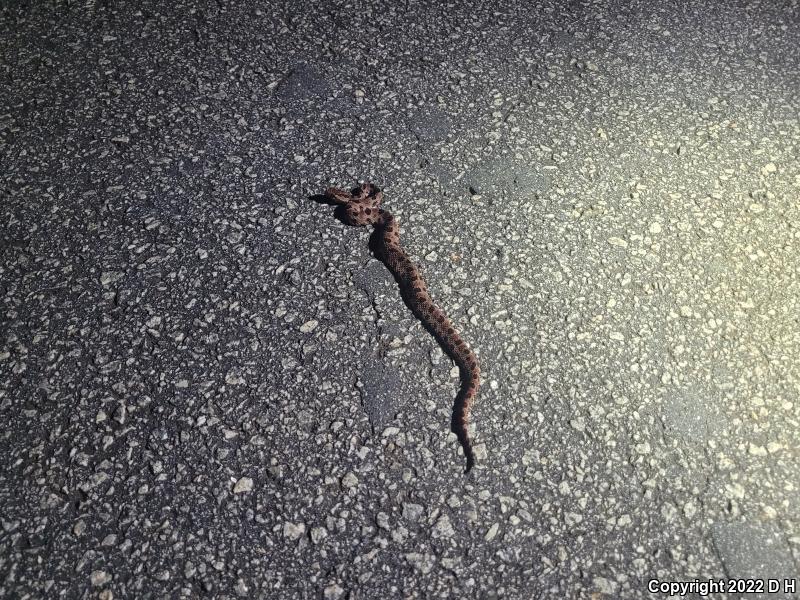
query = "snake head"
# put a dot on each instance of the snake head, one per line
(360, 206)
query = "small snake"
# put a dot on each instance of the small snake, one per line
(362, 209)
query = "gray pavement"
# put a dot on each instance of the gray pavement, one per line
(210, 388)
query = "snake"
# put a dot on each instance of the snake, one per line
(360, 207)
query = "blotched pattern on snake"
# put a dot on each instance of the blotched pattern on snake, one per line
(362, 208)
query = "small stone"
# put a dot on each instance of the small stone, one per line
(318, 534)
(241, 588)
(79, 527)
(233, 377)
(655, 228)
(481, 452)
(411, 511)
(530, 457)
(189, 570)
(400, 534)
(669, 512)
(423, 562)
(578, 423)
(294, 531)
(769, 168)
(99, 578)
(509, 502)
(492, 533)
(755, 450)
(443, 527)
(734, 491)
(109, 277)
(350, 480)
(333, 592)
(245, 484)
(120, 414)
(309, 326)
(604, 586)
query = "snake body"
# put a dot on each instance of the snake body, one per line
(362, 209)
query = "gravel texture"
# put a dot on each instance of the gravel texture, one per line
(209, 388)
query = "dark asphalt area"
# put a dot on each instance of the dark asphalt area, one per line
(210, 388)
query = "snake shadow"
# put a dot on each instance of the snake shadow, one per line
(458, 404)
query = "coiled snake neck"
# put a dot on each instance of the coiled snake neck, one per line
(362, 208)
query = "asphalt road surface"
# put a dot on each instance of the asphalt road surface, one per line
(209, 386)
